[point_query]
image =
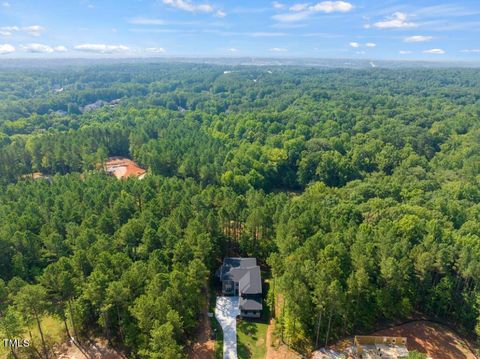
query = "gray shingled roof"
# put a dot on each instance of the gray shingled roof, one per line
(243, 271)
(253, 302)
(239, 262)
(251, 282)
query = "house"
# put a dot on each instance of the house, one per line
(241, 277)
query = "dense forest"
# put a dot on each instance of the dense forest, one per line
(358, 190)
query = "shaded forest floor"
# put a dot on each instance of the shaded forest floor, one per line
(276, 349)
(204, 346)
(53, 331)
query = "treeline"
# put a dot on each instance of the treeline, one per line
(125, 260)
(359, 188)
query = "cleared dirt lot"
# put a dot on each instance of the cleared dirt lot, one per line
(96, 350)
(123, 168)
(437, 341)
(275, 349)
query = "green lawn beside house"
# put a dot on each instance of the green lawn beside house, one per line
(252, 333)
(252, 336)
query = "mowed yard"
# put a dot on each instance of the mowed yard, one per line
(252, 333)
(252, 336)
(53, 330)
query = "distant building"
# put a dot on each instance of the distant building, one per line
(380, 347)
(93, 106)
(99, 104)
(241, 277)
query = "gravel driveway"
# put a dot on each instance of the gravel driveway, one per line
(226, 312)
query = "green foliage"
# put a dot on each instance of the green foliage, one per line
(359, 188)
(416, 355)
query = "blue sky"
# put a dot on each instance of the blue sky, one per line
(371, 29)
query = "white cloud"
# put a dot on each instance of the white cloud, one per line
(6, 49)
(155, 50)
(232, 49)
(102, 48)
(34, 30)
(434, 51)
(471, 51)
(291, 17)
(37, 48)
(332, 6)
(267, 34)
(6, 4)
(418, 38)
(360, 52)
(146, 21)
(447, 10)
(42, 48)
(278, 5)
(404, 52)
(8, 30)
(187, 5)
(357, 45)
(398, 20)
(278, 49)
(60, 48)
(299, 7)
(220, 13)
(301, 11)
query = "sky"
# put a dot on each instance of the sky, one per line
(363, 29)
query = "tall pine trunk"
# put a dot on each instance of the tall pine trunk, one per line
(328, 327)
(319, 323)
(44, 345)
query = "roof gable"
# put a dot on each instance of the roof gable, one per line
(243, 271)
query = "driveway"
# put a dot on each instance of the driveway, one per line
(226, 312)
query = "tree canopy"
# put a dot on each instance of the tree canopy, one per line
(358, 189)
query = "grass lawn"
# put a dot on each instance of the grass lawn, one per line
(53, 330)
(252, 335)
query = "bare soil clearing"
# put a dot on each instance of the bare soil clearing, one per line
(123, 168)
(436, 340)
(204, 347)
(95, 350)
(275, 349)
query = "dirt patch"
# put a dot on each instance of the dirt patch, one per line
(275, 349)
(203, 347)
(123, 168)
(205, 350)
(436, 340)
(96, 350)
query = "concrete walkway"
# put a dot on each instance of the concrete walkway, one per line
(226, 312)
